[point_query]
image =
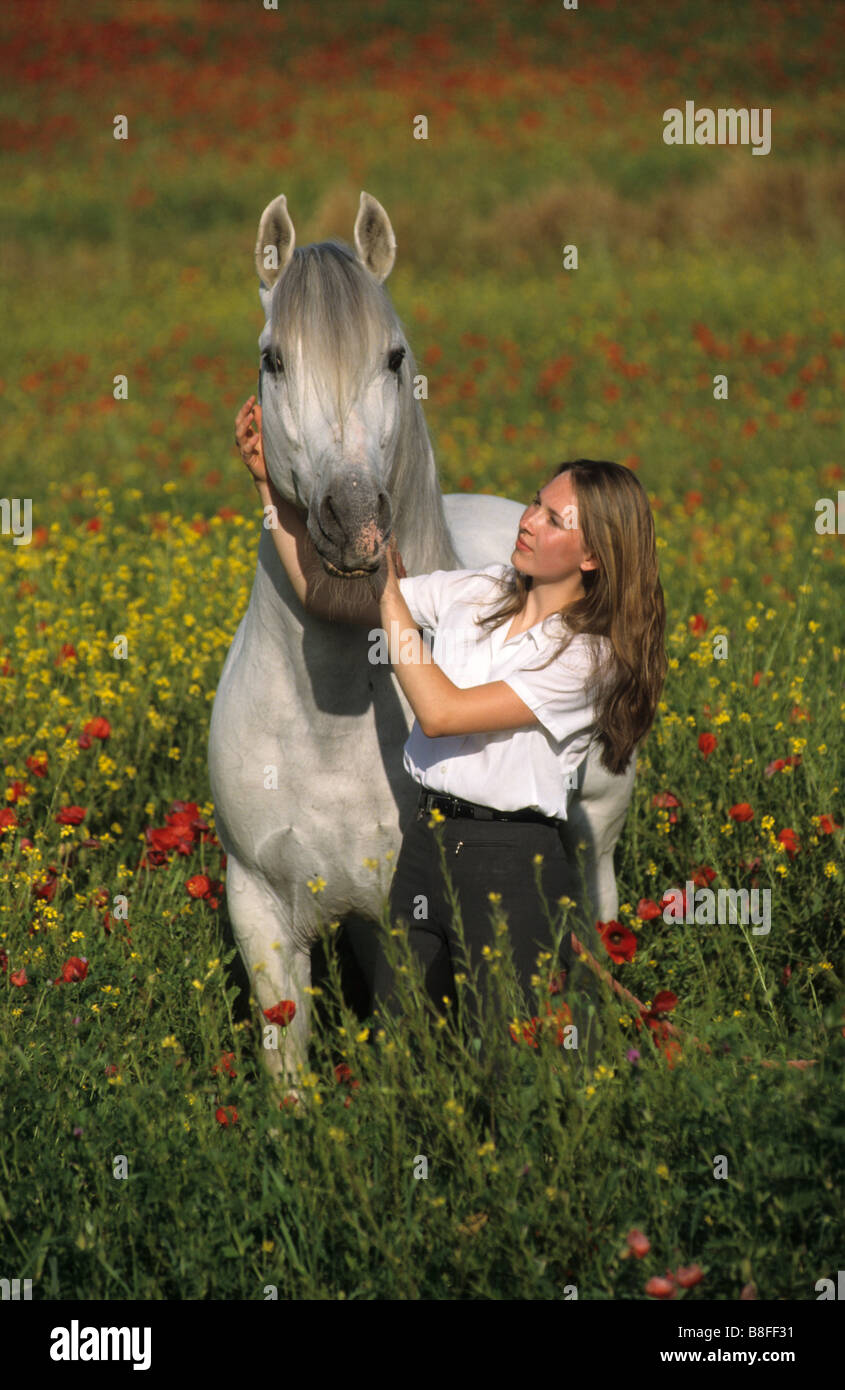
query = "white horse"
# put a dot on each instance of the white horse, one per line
(306, 737)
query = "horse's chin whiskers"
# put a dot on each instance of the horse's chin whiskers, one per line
(339, 590)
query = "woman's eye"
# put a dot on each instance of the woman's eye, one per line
(396, 358)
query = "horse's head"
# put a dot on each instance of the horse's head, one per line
(335, 382)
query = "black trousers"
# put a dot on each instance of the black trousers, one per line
(482, 857)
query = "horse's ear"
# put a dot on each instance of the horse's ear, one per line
(276, 240)
(374, 239)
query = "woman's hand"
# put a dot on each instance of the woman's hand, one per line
(248, 441)
(390, 572)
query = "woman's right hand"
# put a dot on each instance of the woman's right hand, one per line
(248, 441)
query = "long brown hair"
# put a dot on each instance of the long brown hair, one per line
(623, 601)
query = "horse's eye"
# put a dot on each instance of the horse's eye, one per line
(271, 361)
(396, 358)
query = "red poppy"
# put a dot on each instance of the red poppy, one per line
(790, 840)
(98, 728)
(664, 799)
(618, 941)
(282, 1013)
(638, 1243)
(707, 744)
(37, 766)
(342, 1072)
(74, 969)
(226, 1115)
(827, 825)
(646, 909)
(198, 886)
(111, 1069)
(664, 1002)
(46, 889)
(698, 623)
(18, 977)
(528, 1033)
(703, 876)
(561, 1017)
(288, 1102)
(688, 1275)
(660, 1287)
(741, 812)
(7, 817)
(71, 815)
(225, 1064)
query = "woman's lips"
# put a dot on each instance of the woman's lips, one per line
(520, 544)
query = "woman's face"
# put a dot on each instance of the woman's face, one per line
(549, 538)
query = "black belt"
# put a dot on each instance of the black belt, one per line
(452, 806)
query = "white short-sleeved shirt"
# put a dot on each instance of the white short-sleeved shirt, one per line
(512, 769)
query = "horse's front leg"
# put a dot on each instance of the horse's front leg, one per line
(279, 971)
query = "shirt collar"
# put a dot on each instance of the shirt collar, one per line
(540, 634)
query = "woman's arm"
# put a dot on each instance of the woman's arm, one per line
(293, 544)
(442, 707)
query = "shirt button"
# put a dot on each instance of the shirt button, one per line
(442, 767)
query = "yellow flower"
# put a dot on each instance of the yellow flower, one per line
(268, 1246)
(661, 1170)
(363, 1035)
(316, 884)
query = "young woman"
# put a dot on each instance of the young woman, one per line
(532, 659)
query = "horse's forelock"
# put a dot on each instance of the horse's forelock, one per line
(341, 316)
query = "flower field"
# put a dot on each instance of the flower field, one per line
(699, 1159)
